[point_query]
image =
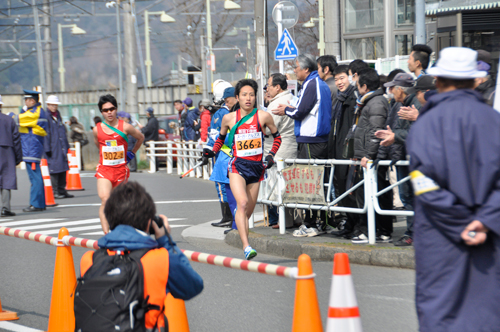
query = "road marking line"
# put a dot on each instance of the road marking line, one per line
(102, 233)
(61, 224)
(388, 298)
(6, 219)
(26, 222)
(160, 202)
(73, 229)
(17, 328)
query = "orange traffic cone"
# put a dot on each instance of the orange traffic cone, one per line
(7, 315)
(47, 184)
(62, 316)
(175, 310)
(306, 314)
(343, 312)
(73, 176)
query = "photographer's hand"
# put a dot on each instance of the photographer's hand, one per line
(159, 232)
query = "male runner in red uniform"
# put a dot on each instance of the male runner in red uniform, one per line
(110, 136)
(246, 168)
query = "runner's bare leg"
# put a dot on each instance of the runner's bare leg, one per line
(238, 187)
(104, 188)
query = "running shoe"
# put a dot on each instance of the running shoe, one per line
(359, 238)
(313, 231)
(301, 232)
(249, 253)
(383, 239)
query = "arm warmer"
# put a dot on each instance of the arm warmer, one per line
(276, 143)
(219, 143)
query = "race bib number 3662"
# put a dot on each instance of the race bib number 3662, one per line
(248, 144)
(113, 155)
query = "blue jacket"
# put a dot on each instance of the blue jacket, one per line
(33, 127)
(219, 172)
(57, 143)
(313, 113)
(193, 115)
(183, 282)
(455, 145)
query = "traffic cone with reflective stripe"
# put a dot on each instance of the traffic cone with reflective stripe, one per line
(47, 184)
(343, 312)
(306, 314)
(7, 315)
(175, 310)
(62, 316)
(73, 176)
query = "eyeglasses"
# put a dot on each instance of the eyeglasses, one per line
(111, 109)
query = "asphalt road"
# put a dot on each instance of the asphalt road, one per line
(232, 300)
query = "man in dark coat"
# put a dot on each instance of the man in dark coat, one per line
(343, 118)
(57, 143)
(454, 149)
(11, 154)
(150, 130)
(373, 109)
(485, 85)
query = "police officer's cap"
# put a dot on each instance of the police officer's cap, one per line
(31, 94)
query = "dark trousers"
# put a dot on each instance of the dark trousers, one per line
(383, 224)
(314, 151)
(59, 183)
(37, 191)
(406, 196)
(132, 165)
(343, 183)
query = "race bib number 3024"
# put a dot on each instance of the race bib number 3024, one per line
(113, 155)
(248, 144)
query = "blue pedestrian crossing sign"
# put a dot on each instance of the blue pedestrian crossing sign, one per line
(286, 49)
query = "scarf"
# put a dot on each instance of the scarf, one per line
(341, 98)
(360, 102)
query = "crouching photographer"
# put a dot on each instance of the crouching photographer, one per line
(123, 285)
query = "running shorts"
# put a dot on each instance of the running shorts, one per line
(252, 171)
(116, 175)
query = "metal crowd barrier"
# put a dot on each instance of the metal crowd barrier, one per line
(186, 155)
(369, 183)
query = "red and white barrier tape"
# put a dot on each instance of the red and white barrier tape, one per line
(232, 263)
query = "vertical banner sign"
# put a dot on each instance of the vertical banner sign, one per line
(304, 184)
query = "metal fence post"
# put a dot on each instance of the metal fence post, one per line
(251, 221)
(169, 158)
(151, 155)
(370, 174)
(281, 187)
(78, 150)
(185, 158)
(179, 159)
(192, 160)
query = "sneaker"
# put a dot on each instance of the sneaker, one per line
(404, 241)
(383, 239)
(359, 238)
(313, 231)
(249, 253)
(301, 232)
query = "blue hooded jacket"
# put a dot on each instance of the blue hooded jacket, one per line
(313, 112)
(33, 127)
(183, 282)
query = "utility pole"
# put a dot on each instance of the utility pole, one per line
(47, 47)
(261, 45)
(209, 38)
(420, 22)
(321, 28)
(332, 28)
(203, 69)
(130, 60)
(41, 70)
(120, 68)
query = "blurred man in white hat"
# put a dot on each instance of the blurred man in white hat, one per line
(454, 149)
(57, 143)
(11, 154)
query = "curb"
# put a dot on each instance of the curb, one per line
(365, 255)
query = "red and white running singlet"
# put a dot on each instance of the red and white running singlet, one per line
(248, 140)
(112, 147)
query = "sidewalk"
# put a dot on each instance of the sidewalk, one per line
(323, 247)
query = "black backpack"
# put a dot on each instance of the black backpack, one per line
(110, 295)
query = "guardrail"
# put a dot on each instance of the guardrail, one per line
(369, 183)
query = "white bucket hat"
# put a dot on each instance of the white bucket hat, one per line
(52, 99)
(1, 103)
(459, 63)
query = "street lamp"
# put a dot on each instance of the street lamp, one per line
(164, 18)
(310, 24)
(234, 33)
(228, 5)
(75, 31)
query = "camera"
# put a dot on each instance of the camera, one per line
(159, 223)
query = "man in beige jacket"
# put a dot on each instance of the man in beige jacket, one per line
(278, 93)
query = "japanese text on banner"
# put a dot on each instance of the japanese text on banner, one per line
(304, 184)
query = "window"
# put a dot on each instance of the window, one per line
(404, 44)
(362, 15)
(369, 48)
(405, 12)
